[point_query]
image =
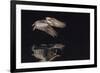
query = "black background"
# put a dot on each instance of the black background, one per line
(76, 35)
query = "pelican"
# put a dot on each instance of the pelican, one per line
(47, 25)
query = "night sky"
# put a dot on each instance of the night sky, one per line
(75, 36)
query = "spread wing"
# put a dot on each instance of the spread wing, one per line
(51, 31)
(56, 23)
(44, 26)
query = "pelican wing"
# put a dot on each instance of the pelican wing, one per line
(51, 31)
(57, 23)
(43, 26)
(40, 25)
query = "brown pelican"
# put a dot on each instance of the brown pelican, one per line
(47, 25)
